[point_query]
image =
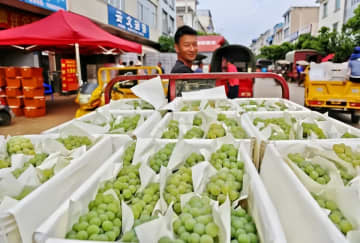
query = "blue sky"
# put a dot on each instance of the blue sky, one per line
(240, 21)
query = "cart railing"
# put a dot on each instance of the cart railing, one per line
(198, 76)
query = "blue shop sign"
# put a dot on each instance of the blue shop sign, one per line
(126, 22)
(53, 5)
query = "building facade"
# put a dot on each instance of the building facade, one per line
(186, 14)
(298, 21)
(332, 14)
(350, 6)
(205, 19)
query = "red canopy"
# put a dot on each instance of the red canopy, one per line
(328, 58)
(210, 43)
(64, 28)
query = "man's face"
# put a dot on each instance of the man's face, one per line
(187, 48)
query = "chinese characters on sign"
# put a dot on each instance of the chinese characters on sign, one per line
(10, 19)
(206, 43)
(126, 22)
(53, 5)
(69, 80)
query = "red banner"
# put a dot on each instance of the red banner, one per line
(68, 75)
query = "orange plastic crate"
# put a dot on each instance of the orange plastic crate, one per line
(2, 82)
(13, 82)
(34, 112)
(18, 111)
(29, 72)
(3, 100)
(34, 82)
(33, 92)
(15, 101)
(12, 72)
(35, 102)
(13, 92)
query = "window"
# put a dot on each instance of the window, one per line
(165, 27)
(147, 13)
(325, 10)
(335, 26)
(119, 4)
(172, 25)
(286, 33)
(337, 5)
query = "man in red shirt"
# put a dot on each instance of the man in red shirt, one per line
(228, 66)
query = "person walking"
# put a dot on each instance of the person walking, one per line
(233, 83)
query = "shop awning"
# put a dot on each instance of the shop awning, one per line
(210, 43)
(65, 28)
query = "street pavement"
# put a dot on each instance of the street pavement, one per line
(268, 88)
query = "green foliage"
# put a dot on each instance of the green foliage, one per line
(276, 52)
(166, 44)
(200, 33)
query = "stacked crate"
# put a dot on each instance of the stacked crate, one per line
(13, 90)
(2, 86)
(33, 91)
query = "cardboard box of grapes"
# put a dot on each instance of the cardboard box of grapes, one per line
(267, 104)
(195, 104)
(113, 122)
(199, 125)
(38, 172)
(123, 202)
(127, 104)
(314, 187)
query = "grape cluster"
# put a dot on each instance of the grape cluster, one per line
(25, 191)
(46, 174)
(197, 121)
(314, 171)
(161, 157)
(128, 123)
(4, 164)
(312, 127)
(195, 223)
(20, 145)
(349, 135)
(130, 236)
(336, 216)
(347, 154)
(177, 184)
(193, 159)
(129, 154)
(216, 131)
(285, 127)
(194, 132)
(101, 223)
(144, 202)
(35, 161)
(235, 128)
(226, 157)
(226, 182)
(143, 105)
(72, 142)
(243, 228)
(192, 106)
(172, 130)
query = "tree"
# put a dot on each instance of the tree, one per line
(166, 44)
(276, 52)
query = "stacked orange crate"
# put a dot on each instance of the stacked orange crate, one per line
(2, 86)
(13, 92)
(34, 99)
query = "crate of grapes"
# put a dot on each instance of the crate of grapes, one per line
(38, 172)
(199, 125)
(314, 187)
(128, 104)
(109, 207)
(113, 122)
(267, 104)
(180, 104)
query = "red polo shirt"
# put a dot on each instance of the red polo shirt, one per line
(231, 68)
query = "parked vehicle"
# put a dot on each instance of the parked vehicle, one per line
(293, 57)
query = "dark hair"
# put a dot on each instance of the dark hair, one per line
(183, 30)
(131, 63)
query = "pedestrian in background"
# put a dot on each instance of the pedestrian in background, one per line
(160, 66)
(354, 65)
(233, 83)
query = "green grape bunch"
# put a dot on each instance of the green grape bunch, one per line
(131, 236)
(72, 142)
(20, 145)
(129, 154)
(193, 159)
(226, 182)
(25, 191)
(34, 161)
(336, 216)
(349, 135)
(177, 184)
(194, 132)
(46, 174)
(285, 127)
(128, 123)
(144, 202)
(226, 157)
(314, 171)
(101, 223)
(196, 223)
(197, 121)
(235, 128)
(192, 106)
(312, 127)
(243, 228)
(4, 164)
(172, 130)
(161, 157)
(216, 131)
(345, 153)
